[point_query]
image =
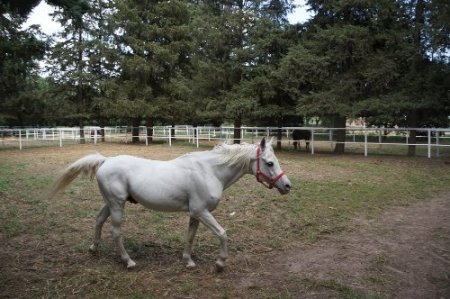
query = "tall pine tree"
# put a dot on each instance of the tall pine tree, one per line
(365, 58)
(153, 46)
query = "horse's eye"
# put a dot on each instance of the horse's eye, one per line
(270, 164)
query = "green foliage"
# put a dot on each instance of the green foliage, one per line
(366, 59)
(206, 62)
(21, 8)
(152, 55)
(239, 47)
(19, 51)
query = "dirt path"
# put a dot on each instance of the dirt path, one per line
(404, 253)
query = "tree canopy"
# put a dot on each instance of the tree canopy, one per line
(240, 62)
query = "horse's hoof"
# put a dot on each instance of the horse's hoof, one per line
(220, 266)
(190, 265)
(92, 248)
(131, 264)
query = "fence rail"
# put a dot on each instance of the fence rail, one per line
(429, 141)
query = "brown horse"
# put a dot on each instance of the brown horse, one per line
(299, 134)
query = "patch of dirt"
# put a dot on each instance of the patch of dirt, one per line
(404, 253)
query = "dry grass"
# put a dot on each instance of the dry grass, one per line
(43, 251)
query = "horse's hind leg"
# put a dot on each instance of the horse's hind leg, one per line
(101, 218)
(193, 225)
(116, 221)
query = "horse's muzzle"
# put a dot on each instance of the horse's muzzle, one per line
(284, 186)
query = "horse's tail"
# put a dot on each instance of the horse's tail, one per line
(87, 166)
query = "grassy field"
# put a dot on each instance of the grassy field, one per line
(43, 251)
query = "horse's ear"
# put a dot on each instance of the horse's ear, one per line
(263, 144)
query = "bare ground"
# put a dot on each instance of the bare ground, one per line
(404, 253)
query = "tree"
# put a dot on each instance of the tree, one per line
(221, 54)
(24, 91)
(271, 37)
(423, 92)
(356, 58)
(24, 7)
(153, 46)
(233, 51)
(19, 51)
(418, 95)
(69, 65)
(328, 64)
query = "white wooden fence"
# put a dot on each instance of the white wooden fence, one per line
(429, 141)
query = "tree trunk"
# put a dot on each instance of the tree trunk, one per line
(413, 117)
(340, 122)
(172, 132)
(80, 97)
(412, 140)
(102, 133)
(135, 131)
(237, 130)
(149, 129)
(82, 139)
(279, 137)
(419, 24)
(195, 130)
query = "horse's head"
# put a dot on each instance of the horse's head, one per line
(267, 168)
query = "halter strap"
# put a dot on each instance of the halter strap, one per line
(266, 180)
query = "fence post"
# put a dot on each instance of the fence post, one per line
(253, 135)
(20, 139)
(198, 133)
(60, 137)
(146, 136)
(365, 143)
(429, 143)
(170, 137)
(380, 138)
(437, 133)
(312, 142)
(331, 139)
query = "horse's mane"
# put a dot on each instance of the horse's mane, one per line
(235, 153)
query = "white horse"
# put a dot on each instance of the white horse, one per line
(191, 183)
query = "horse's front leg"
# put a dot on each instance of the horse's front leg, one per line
(209, 221)
(192, 230)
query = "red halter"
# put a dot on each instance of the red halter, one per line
(267, 181)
